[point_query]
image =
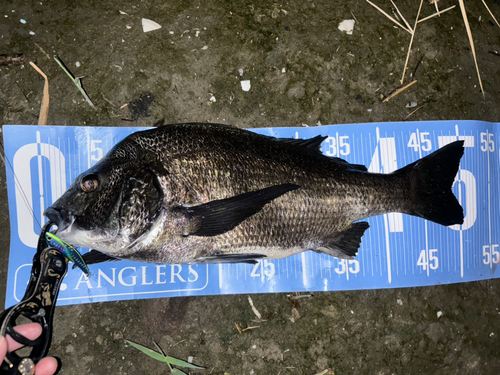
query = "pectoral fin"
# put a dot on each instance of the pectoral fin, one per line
(220, 216)
(346, 244)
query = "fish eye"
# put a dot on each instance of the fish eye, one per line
(89, 183)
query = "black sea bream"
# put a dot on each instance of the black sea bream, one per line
(213, 193)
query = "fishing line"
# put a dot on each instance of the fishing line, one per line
(19, 186)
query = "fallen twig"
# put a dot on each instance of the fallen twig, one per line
(411, 41)
(412, 113)
(385, 14)
(399, 91)
(491, 14)
(402, 17)
(44, 107)
(469, 34)
(436, 14)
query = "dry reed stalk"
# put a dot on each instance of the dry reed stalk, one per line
(44, 107)
(400, 15)
(436, 14)
(399, 91)
(411, 41)
(469, 34)
(437, 8)
(491, 14)
(406, 118)
(385, 14)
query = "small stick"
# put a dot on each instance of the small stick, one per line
(411, 41)
(437, 8)
(385, 14)
(399, 91)
(413, 112)
(491, 14)
(436, 14)
(469, 34)
(44, 107)
(400, 15)
(354, 17)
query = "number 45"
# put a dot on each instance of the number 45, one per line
(432, 261)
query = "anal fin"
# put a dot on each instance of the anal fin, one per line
(345, 245)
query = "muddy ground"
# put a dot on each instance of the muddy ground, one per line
(302, 70)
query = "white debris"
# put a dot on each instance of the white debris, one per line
(283, 70)
(190, 359)
(204, 48)
(23, 21)
(255, 311)
(121, 12)
(128, 27)
(212, 98)
(411, 105)
(148, 25)
(32, 33)
(240, 72)
(245, 85)
(77, 64)
(347, 26)
(400, 302)
(439, 314)
(369, 110)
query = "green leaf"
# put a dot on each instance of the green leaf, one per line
(181, 363)
(176, 371)
(159, 348)
(155, 355)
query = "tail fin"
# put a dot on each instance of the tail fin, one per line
(431, 179)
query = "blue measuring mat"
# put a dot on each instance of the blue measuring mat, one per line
(397, 251)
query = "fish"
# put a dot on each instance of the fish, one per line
(199, 192)
(70, 252)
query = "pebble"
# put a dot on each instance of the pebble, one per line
(245, 85)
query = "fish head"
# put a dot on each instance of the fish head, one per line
(109, 206)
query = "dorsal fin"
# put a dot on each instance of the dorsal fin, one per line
(311, 143)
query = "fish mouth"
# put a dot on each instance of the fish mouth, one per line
(61, 218)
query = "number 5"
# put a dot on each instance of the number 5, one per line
(97, 150)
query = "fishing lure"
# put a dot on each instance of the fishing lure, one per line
(69, 251)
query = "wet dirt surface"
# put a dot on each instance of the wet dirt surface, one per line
(302, 70)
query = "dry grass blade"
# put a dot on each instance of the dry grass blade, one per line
(44, 107)
(411, 41)
(437, 8)
(469, 34)
(385, 14)
(491, 14)
(400, 15)
(399, 91)
(406, 118)
(436, 14)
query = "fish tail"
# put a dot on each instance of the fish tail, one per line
(430, 181)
